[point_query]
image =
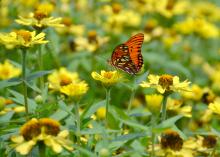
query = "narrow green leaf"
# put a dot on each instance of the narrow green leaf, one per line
(10, 82)
(37, 74)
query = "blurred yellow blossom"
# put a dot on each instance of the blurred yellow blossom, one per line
(8, 70)
(45, 7)
(45, 130)
(62, 77)
(101, 112)
(107, 78)
(215, 106)
(22, 38)
(75, 89)
(166, 83)
(154, 102)
(195, 93)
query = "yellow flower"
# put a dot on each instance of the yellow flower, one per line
(62, 77)
(166, 83)
(7, 105)
(215, 106)
(39, 20)
(46, 130)
(176, 106)
(7, 70)
(107, 78)
(206, 144)
(75, 89)
(45, 7)
(100, 113)
(154, 102)
(22, 38)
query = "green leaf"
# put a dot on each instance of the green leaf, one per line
(19, 98)
(92, 109)
(167, 123)
(10, 82)
(37, 74)
(6, 118)
(84, 151)
(129, 136)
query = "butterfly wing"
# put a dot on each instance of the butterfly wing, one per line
(127, 56)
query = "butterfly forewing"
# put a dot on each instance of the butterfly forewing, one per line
(127, 56)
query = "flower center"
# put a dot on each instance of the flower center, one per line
(40, 15)
(170, 4)
(49, 126)
(149, 26)
(26, 35)
(67, 21)
(208, 97)
(116, 8)
(209, 141)
(171, 139)
(108, 75)
(166, 81)
(65, 80)
(92, 36)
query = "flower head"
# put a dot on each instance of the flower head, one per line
(44, 129)
(107, 78)
(7, 70)
(62, 77)
(75, 89)
(215, 106)
(154, 102)
(165, 83)
(22, 38)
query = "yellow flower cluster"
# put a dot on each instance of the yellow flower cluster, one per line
(8, 70)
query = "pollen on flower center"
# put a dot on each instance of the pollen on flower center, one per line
(209, 141)
(67, 21)
(116, 8)
(39, 15)
(165, 81)
(108, 75)
(65, 81)
(49, 126)
(26, 35)
(171, 139)
(92, 36)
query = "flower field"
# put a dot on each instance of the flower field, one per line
(110, 78)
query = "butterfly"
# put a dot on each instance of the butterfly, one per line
(127, 56)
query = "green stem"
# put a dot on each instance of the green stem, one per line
(108, 95)
(42, 149)
(213, 152)
(132, 96)
(24, 81)
(77, 122)
(40, 62)
(164, 107)
(153, 135)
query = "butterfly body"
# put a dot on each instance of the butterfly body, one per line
(127, 56)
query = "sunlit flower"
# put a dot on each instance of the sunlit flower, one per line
(44, 130)
(215, 106)
(175, 106)
(40, 19)
(107, 77)
(170, 37)
(75, 89)
(154, 102)
(100, 113)
(172, 145)
(166, 83)
(22, 38)
(62, 77)
(7, 105)
(7, 70)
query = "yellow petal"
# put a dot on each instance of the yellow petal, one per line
(17, 139)
(25, 147)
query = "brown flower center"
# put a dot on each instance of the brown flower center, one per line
(65, 80)
(92, 36)
(209, 141)
(149, 26)
(67, 21)
(208, 97)
(170, 4)
(116, 8)
(108, 75)
(166, 81)
(39, 15)
(26, 35)
(34, 127)
(171, 139)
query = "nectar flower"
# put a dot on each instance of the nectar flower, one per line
(62, 77)
(215, 106)
(44, 130)
(101, 112)
(75, 89)
(7, 70)
(22, 38)
(154, 102)
(165, 83)
(107, 78)
(40, 20)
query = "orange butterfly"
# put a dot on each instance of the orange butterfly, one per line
(127, 56)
